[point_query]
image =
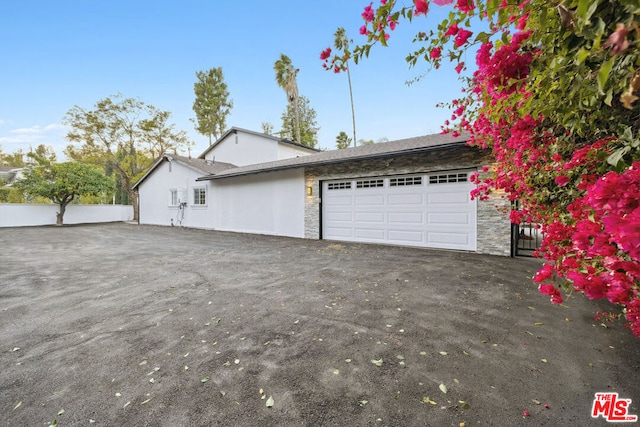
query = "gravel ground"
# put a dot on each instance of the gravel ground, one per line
(127, 325)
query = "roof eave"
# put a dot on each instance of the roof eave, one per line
(333, 161)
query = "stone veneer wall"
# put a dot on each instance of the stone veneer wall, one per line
(494, 229)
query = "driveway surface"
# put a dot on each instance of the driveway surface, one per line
(127, 325)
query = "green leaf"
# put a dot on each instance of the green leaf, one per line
(204, 379)
(603, 75)
(443, 388)
(377, 362)
(270, 402)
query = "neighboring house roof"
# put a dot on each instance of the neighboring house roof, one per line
(370, 151)
(263, 135)
(198, 165)
(10, 174)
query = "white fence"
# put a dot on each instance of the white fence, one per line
(23, 215)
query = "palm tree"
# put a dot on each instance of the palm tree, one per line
(341, 42)
(286, 78)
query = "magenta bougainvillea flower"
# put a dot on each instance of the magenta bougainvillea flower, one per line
(443, 2)
(422, 7)
(325, 54)
(452, 30)
(465, 6)
(368, 13)
(435, 53)
(462, 37)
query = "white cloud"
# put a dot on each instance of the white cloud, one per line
(52, 135)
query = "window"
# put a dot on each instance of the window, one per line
(370, 183)
(447, 178)
(200, 196)
(339, 185)
(400, 182)
(173, 197)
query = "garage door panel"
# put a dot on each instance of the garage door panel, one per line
(370, 217)
(339, 200)
(340, 232)
(340, 216)
(406, 217)
(369, 200)
(405, 199)
(406, 236)
(452, 238)
(455, 198)
(427, 214)
(460, 218)
(370, 234)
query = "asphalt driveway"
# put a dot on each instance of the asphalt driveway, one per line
(127, 325)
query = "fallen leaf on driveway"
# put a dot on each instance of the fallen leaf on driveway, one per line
(15, 349)
(377, 362)
(443, 388)
(270, 402)
(18, 405)
(427, 400)
(204, 379)
(444, 353)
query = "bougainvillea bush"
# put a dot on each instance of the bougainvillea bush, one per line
(554, 95)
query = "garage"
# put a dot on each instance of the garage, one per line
(432, 210)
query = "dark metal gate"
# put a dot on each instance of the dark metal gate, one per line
(525, 239)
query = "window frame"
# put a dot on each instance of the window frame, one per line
(201, 194)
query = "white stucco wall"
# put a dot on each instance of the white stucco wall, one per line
(155, 197)
(243, 149)
(268, 203)
(287, 151)
(27, 214)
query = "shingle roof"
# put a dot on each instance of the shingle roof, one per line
(370, 151)
(237, 129)
(199, 165)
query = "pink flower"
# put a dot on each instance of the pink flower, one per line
(552, 291)
(459, 67)
(368, 13)
(462, 37)
(561, 180)
(452, 30)
(363, 30)
(422, 7)
(325, 54)
(618, 39)
(442, 2)
(465, 6)
(435, 53)
(525, 413)
(392, 23)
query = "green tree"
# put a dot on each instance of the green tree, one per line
(341, 42)
(124, 136)
(300, 119)
(267, 128)
(342, 141)
(15, 159)
(43, 155)
(286, 78)
(63, 182)
(212, 104)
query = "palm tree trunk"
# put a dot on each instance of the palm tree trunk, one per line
(353, 112)
(299, 141)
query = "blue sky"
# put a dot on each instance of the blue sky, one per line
(58, 54)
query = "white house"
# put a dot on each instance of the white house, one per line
(410, 192)
(170, 193)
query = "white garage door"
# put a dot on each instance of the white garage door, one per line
(427, 210)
